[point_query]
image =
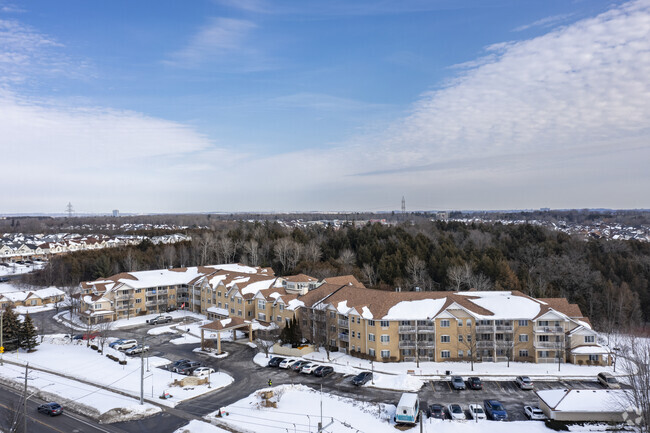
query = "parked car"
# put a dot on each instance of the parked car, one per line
(495, 410)
(309, 368)
(90, 336)
(456, 411)
(323, 371)
(476, 411)
(126, 344)
(203, 371)
(534, 413)
(177, 363)
(275, 361)
(607, 380)
(181, 367)
(475, 383)
(457, 383)
(288, 362)
(361, 378)
(116, 342)
(160, 319)
(137, 349)
(50, 409)
(524, 382)
(297, 366)
(436, 411)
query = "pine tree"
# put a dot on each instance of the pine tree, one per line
(10, 330)
(28, 339)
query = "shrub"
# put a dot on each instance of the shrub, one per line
(94, 347)
(123, 362)
(580, 362)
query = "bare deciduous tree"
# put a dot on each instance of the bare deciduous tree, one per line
(253, 252)
(103, 333)
(370, 274)
(313, 252)
(266, 338)
(634, 357)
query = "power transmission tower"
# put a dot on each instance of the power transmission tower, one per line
(403, 205)
(69, 209)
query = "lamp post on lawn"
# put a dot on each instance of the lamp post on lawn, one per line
(615, 349)
(372, 377)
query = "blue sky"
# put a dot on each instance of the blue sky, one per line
(239, 105)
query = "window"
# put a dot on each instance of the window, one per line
(469, 323)
(590, 339)
(138, 290)
(358, 349)
(332, 315)
(593, 358)
(261, 316)
(460, 338)
(469, 338)
(460, 353)
(138, 301)
(232, 299)
(385, 338)
(371, 352)
(542, 338)
(542, 323)
(444, 323)
(445, 354)
(352, 348)
(219, 294)
(261, 304)
(523, 338)
(359, 319)
(277, 319)
(523, 323)
(239, 300)
(385, 353)
(384, 323)
(445, 339)
(544, 354)
(232, 311)
(239, 312)
(281, 307)
(371, 337)
(460, 323)
(371, 323)
(523, 353)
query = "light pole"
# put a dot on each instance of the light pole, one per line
(372, 366)
(615, 349)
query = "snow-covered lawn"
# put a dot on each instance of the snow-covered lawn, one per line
(89, 400)
(15, 268)
(133, 321)
(196, 426)
(298, 409)
(77, 361)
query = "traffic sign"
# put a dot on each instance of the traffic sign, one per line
(2, 349)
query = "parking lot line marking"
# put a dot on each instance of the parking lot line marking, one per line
(432, 387)
(448, 385)
(499, 386)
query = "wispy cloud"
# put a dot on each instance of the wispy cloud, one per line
(222, 41)
(545, 22)
(323, 102)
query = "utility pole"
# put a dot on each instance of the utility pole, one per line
(2, 346)
(69, 209)
(421, 425)
(25, 400)
(142, 372)
(417, 348)
(320, 424)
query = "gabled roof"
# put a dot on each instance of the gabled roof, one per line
(300, 278)
(344, 280)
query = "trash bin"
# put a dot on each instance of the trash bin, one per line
(448, 372)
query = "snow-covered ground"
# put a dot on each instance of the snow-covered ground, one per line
(196, 426)
(132, 321)
(76, 361)
(16, 269)
(89, 400)
(298, 409)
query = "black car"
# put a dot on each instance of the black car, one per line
(475, 383)
(275, 361)
(323, 370)
(184, 365)
(362, 378)
(297, 366)
(175, 364)
(188, 369)
(51, 409)
(436, 411)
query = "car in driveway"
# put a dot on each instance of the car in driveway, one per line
(275, 361)
(534, 413)
(160, 319)
(436, 411)
(296, 366)
(456, 412)
(137, 349)
(457, 383)
(607, 380)
(309, 368)
(495, 410)
(288, 362)
(203, 371)
(323, 371)
(524, 382)
(126, 344)
(181, 368)
(116, 342)
(362, 378)
(475, 383)
(476, 412)
(175, 364)
(51, 409)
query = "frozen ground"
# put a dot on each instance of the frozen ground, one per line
(298, 409)
(89, 400)
(76, 361)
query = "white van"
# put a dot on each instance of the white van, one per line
(126, 344)
(408, 409)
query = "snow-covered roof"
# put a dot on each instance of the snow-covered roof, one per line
(161, 277)
(585, 400)
(295, 303)
(408, 399)
(589, 350)
(505, 305)
(255, 287)
(421, 309)
(366, 313)
(217, 310)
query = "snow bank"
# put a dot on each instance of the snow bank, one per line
(196, 426)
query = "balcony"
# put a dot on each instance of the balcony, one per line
(344, 337)
(162, 292)
(123, 297)
(150, 303)
(426, 329)
(484, 328)
(549, 329)
(549, 360)
(122, 307)
(549, 345)
(344, 324)
(505, 343)
(504, 328)
(406, 329)
(406, 344)
(426, 344)
(485, 344)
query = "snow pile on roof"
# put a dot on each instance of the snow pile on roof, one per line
(505, 305)
(236, 267)
(415, 310)
(161, 277)
(225, 322)
(585, 400)
(343, 307)
(217, 310)
(295, 303)
(589, 350)
(253, 288)
(274, 295)
(366, 313)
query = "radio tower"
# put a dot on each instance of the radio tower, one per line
(69, 209)
(403, 205)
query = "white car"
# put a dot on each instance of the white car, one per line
(456, 411)
(203, 371)
(137, 349)
(126, 344)
(534, 413)
(288, 362)
(476, 411)
(309, 368)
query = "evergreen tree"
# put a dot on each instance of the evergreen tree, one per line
(27, 334)
(10, 330)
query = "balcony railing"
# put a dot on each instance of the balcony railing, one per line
(424, 329)
(504, 328)
(123, 297)
(405, 329)
(344, 337)
(504, 343)
(485, 344)
(344, 323)
(549, 329)
(150, 303)
(549, 345)
(549, 360)
(406, 344)
(426, 344)
(484, 328)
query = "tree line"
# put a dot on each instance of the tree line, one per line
(608, 279)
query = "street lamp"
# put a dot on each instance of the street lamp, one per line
(615, 349)
(372, 366)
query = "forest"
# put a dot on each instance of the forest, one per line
(608, 279)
